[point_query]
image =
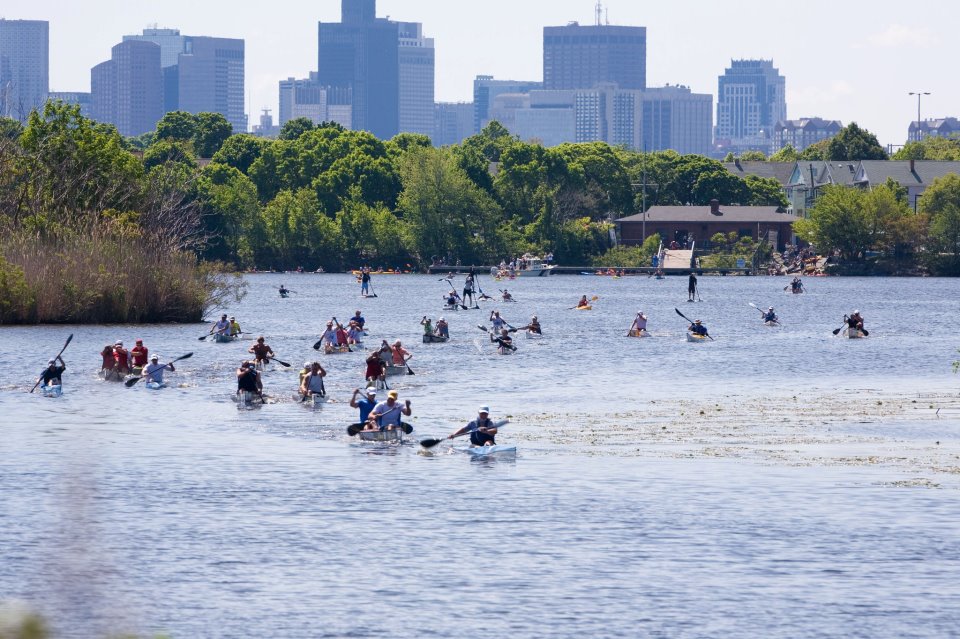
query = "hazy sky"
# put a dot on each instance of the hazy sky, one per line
(851, 61)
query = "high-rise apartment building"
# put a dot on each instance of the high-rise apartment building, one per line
(486, 90)
(24, 66)
(361, 53)
(307, 98)
(417, 59)
(127, 90)
(581, 57)
(750, 101)
(803, 132)
(201, 73)
(453, 123)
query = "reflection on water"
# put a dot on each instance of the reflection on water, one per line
(172, 511)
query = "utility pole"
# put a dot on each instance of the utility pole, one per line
(919, 95)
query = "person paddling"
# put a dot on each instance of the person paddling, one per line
(108, 364)
(358, 318)
(312, 383)
(122, 357)
(855, 321)
(639, 325)
(52, 375)
(399, 354)
(222, 327)
(354, 333)
(139, 357)
(770, 316)
(482, 431)
(261, 351)
(692, 288)
(442, 329)
(698, 328)
(507, 297)
(235, 329)
(376, 369)
(153, 372)
(468, 298)
(452, 299)
(284, 291)
(583, 303)
(427, 325)
(329, 337)
(532, 327)
(365, 281)
(365, 404)
(388, 415)
(503, 340)
(497, 321)
(248, 380)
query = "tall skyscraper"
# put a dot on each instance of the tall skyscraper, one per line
(486, 90)
(127, 90)
(581, 57)
(453, 123)
(417, 59)
(24, 66)
(750, 101)
(361, 53)
(201, 73)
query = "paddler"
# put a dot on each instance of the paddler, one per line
(498, 322)
(222, 327)
(399, 354)
(365, 281)
(427, 325)
(329, 337)
(388, 415)
(341, 333)
(507, 297)
(366, 403)
(452, 299)
(583, 303)
(532, 327)
(284, 291)
(376, 369)
(639, 324)
(52, 375)
(855, 321)
(358, 318)
(138, 355)
(312, 383)
(235, 329)
(482, 431)
(770, 315)
(698, 328)
(262, 351)
(691, 288)
(442, 329)
(122, 357)
(503, 340)
(354, 333)
(108, 365)
(248, 379)
(468, 290)
(154, 370)
(304, 372)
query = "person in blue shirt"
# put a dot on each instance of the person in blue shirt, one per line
(482, 431)
(365, 404)
(698, 328)
(770, 315)
(358, 318)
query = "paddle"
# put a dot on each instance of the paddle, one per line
(65, 344)
(430, 443)
(353, 429)
(130, 383)
(456, 297)
(691, 322)
(278, 361)
(496, 338)
(764, 313)
(837, 331)
(323, 391)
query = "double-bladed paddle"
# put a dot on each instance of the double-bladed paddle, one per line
(691, 322)
(762, 312)
(430, 443)
(65, 344)
(496, 338)
(130, 383)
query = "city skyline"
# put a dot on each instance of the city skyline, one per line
(840, 62)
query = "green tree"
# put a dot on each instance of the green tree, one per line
(765, 192)
(445, 212)
(837, 222)
(240, 151)
(941, 202)
(854, 143)
(167, 150)
(212, 130)
(371, 234)
(177, 125)
(818, 151)
(293, 129)
(932, 147)
(753, 156)
(231, 214)
(298, 233)
(10, 129)
(785, 154)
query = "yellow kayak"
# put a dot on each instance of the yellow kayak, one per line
(584, 308)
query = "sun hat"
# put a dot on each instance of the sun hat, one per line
(393, 394)
(52, 362)
(371, 391)
(484, 409)
(154, 357)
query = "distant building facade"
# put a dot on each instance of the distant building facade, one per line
(201, 73)
(127, 90)
(307, 98)
(486, 89)
(942, 127)
(83, 100)
(581, 57)
(453, 123)
(751, 100)
(803, 132)
(24, 67)
(417, 60)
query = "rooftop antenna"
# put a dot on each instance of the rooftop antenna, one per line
(599, 13)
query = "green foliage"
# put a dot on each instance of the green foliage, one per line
(753, 156)
(298, 233)
(931, 147)
(16, 298)
(854, 143)
(240, 151)
(818, 151)
(166, 150)
(786, 154)
(231, 215)
(293, 129)
(941, 202)
(765, 192)
(630, 256)
(176, 125)
(10, 129)
(212, 130)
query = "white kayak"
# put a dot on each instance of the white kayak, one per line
(53, 390)
(503, 350)
(247, 399)
(853, 333)
(696, 339)
(532, 335)
(642, 333)
(487, 451)
(152, 385)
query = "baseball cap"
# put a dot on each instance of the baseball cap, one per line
(371, 391)
(393, 394)
(484, 409)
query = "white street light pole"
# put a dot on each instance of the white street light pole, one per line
(919, 95)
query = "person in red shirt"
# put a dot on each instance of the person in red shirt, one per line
(139, 354)
(122, 356)
(109, 365)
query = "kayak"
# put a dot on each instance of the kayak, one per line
(434, 339)
(220, 338)
(487, 451)
(503, 350)
(284, 295)
(853, 333)
(532, 335)
(246, 398)
(110, 376)
(54, 390)
(635, 333)
(152, 385)
(697, 339)
(771, 324)
(584, 308)
(451, 308)
(395, 435)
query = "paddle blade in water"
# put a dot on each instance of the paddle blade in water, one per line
(353, 429)
(130, 382)
(407, 428)
(430, 443)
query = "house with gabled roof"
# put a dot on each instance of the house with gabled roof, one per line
(779, 171)
(914, 175)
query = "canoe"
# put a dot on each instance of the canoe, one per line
(853, 333)
(532, 335)
(434, 339)
(152, 385)
(395, 435)
(487, 451)
(774, 324)
(697, 339)
(336, 350)
(635, 333)
(54, 390)
(396, 370)
(110, 376)
(219, 338)
(584, 308)
(246, 398)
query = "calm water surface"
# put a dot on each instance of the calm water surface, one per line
(173, 511)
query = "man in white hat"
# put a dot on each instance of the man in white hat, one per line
(482, 431)
(52, 373)
(770, 315)
(639, 325)
(443, 329)
(154, 370)
(366, 403)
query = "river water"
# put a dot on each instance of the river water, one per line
(775, 482)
